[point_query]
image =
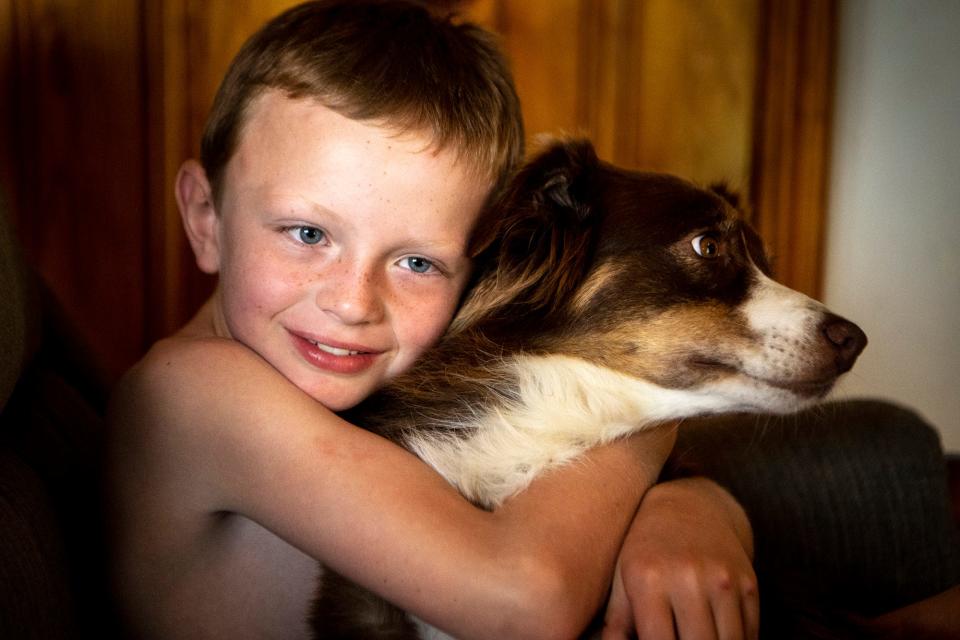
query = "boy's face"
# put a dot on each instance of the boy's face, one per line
(340, 246)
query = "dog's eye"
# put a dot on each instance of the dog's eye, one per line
(706, 246)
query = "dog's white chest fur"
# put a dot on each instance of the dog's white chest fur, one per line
(563, 407)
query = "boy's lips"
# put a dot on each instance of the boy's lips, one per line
(332, 356)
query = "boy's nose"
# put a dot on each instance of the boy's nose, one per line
(352, 296)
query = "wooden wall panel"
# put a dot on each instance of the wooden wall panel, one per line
(695, 88)
(666, 85)
(170, 272)
(792, 138)
(77, 145)
(107, 99)
(9, 172)
(542, 41)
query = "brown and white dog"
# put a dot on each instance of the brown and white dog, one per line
(606, 301)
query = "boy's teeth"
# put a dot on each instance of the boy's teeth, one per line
(334, 350)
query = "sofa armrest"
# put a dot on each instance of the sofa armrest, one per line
(849, 501)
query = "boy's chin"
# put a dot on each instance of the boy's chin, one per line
(336, 393)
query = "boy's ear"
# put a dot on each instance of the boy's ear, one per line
(199, 216)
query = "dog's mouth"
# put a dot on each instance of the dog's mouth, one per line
(805, 388)
(812, 388)
(711, 364)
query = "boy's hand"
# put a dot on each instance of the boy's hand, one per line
(685, 568)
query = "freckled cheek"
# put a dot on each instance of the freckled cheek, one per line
(260, 287)
(420, 321)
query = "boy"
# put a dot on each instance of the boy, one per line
(348, 153)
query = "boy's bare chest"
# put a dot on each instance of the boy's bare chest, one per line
(273, 580)
(245, 582)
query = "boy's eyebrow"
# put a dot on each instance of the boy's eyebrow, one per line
(279, 201)
(316, 207)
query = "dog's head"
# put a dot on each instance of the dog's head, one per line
(652, 276)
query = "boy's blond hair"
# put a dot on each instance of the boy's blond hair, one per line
(386, 61)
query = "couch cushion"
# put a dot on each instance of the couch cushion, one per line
(50, 443)
(849, 501)
(35, 595)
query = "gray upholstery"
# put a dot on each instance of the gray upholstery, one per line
(51, 404)
(849, 502)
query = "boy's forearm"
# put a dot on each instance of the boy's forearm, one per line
(702, 495)
(541, 565)
(576, 518)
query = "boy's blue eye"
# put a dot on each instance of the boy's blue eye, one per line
(419, 265)
(309, 235)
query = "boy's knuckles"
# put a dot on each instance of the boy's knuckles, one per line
(643, 577)
(721, 579)
(691, 576)
(749, 586)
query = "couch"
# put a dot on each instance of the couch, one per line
(52, 402)
(855, 526)
(849, 502)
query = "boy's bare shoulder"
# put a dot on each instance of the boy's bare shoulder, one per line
(198, 390)
(195, 363)
(192, 357)
(189, 414)
(181, 368)
(203, 391)
(191, 396)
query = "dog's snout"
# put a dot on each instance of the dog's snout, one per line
(846, 338)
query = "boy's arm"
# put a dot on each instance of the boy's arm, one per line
(686, 564)
(242, 439)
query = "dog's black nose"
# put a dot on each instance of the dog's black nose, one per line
(847, 339)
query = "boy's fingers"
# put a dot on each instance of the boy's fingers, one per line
(654, 620)
(728, 615)
(616, 626)
(694, 618)
(618, 618)
(750, 605)
(736, 609)
(615, 633)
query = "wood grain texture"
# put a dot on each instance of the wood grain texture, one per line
(9, 105)
(792, 138)
(695, 86)
(78, 151)
(104, 101)
(666, 85)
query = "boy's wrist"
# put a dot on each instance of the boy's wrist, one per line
(702, 495)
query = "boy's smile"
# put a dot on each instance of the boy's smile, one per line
(340, 246)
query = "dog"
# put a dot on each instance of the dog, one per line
(605, 301)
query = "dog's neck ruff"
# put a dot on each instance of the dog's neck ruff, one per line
(563, 407)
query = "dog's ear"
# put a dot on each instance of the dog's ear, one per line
(732, 197)
(560, 181)
(756, 248)
(532, 245)
(553, 187)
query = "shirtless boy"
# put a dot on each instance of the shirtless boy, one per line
(346, 158)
